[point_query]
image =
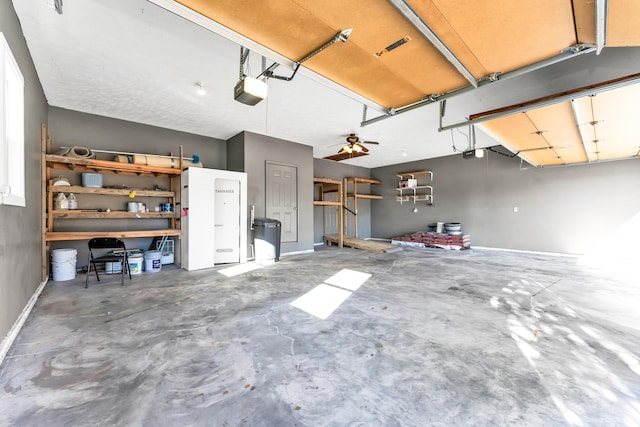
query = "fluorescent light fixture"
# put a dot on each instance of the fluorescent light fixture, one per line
(200, 90)
(250, 91)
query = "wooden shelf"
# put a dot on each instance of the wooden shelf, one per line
(109, 191)
(92, 214)
(331, 186)
(364, 180)
(365, 196)
(325, 203)
(56, 236)
(105, 166)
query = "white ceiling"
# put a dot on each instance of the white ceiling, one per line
(132, 60)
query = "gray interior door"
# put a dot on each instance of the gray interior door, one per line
(282, 198)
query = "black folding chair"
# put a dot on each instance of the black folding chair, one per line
(120, 256)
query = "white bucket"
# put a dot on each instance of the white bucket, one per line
(135, 264)
(440, 227)
(63, 264)
(153, 261)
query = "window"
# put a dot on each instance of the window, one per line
(12, 188)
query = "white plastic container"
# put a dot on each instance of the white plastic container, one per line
(113, 267)
(63, 264)
(135, 264)
(93, 180)
(153, 261)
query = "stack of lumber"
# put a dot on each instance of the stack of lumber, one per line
(436, 240)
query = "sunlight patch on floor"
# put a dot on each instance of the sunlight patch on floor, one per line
(239, 269)
(348, 279)
(322, 300)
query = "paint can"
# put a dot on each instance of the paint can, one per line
(63, 264)
(135, 264)
(153, 261)
(132, 207)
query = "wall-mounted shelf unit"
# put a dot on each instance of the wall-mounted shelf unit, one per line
(331, 186)
(414, 187)
(354, 194)
(56, 162)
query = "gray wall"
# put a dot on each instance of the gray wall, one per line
(20, 231)
(235, 153)
(560, 209)
(69, 128)
(336, 170)
(257, 150)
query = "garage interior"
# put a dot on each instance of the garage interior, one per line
(521, 117)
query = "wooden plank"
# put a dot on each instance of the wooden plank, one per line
(326, 181)
(109, 191)
(326, 203)
(364, 180)
(91, 214)
(365, 196)
(106, 166)
(367, 245)
(55, 236)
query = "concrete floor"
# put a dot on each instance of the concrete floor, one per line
(433, 337)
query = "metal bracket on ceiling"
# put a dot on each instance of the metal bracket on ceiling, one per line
(412, 16)
(547, 100)
(601, 25)
(569, 52)
(341, 36)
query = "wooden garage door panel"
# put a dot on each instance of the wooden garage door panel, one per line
(295, 28)
(505, 34)
(377, 25)
(431, 15)
(516, 131)
(559, 131)
(622, 26)
(585, 16)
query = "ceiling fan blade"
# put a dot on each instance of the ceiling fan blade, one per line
(370, 142)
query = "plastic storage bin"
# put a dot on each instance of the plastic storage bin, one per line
(93, 180)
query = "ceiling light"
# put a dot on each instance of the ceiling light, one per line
(250, 91)
(357, 148)
(404, 153)
(200, 90)
(347, 149)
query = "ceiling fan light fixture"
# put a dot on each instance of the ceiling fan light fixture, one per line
(347, 149)
(357, 148)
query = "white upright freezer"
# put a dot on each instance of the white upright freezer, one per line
(214, 217)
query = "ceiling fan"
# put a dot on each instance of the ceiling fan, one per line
(354, 145)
